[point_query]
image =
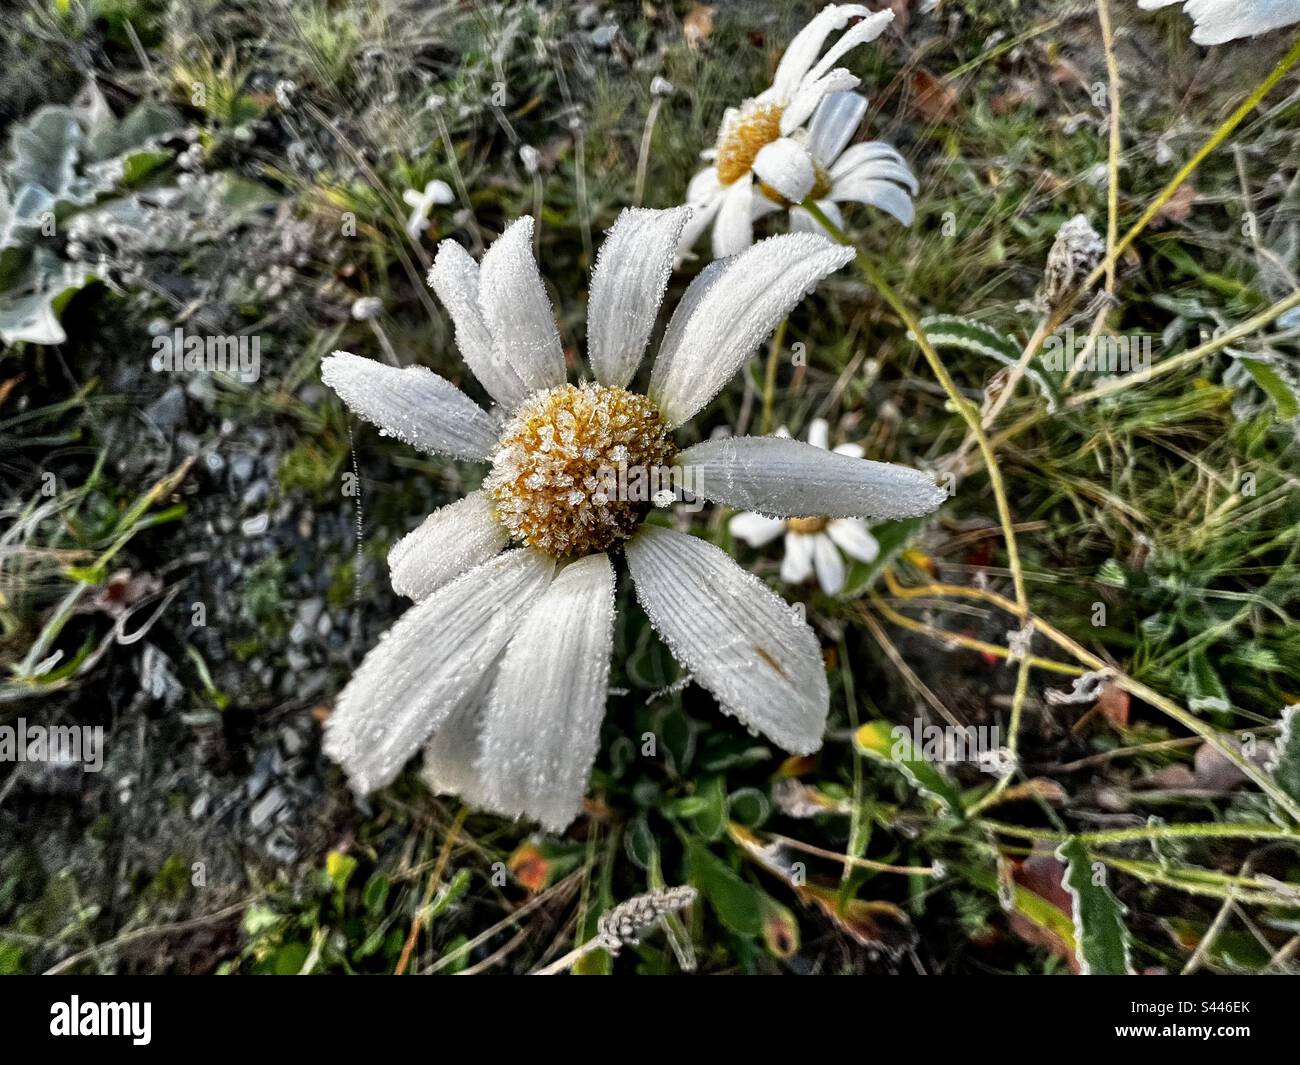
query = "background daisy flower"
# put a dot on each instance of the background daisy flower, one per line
(501, 666)
(1220, 21)
(762, 140)
(873, 172)
(812, 544)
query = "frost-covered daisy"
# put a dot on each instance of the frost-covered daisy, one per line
(762, 143)
(501, 666)
(1220, 21)
(872, 172)
(812, 544)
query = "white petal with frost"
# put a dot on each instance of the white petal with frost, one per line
(1220, 21)
(704, 197)
(757, 530)
(835, 121)
(733, 229)
(427, 664)
(797, 562)
(517, 310)
(627, 286)
(739, 640)
(454, 277)
(542, 728)
(413, 404)
(789, 478)
(828, 563)
(812, 93)
(450, 541)
(786, 166)
(853, 537)
(807, 45)
(451, 756)
(733, 314)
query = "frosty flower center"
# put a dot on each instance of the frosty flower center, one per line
(743, 136)
(807, 525)
(555, 474)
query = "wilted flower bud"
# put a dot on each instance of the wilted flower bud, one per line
(1074, 255)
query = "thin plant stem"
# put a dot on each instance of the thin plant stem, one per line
(769, 376)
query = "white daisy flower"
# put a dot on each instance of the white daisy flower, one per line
(872, 172)
(762, 140)
(501, 666)
(812, 544)
(1220, 21)
(421, 203)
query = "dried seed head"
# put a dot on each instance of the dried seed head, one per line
(743, 135)
(1075, 253)
(550, 479)
(627, 922)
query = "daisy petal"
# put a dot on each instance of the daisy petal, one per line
(542, 728)
(449, 542)
(864, 32)
(854, 451)
(789, 478)
(413, 404)
(857, 155)
(741, 642)
(451, 756)
(836, 120)
(819, 433)
(882, 195)
(797, 562)
(853, 537)
(807, 45)
(785, 165)
(517, 310)
(828, 564)
(757, 530)
(733, 229)
(704, 197)
(454, 277)
(427, 664)
(1220, 21)
(740, 305)
(812, 93)
(627, 286)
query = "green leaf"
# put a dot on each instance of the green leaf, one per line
(952, 331)
(1285, 766)
(892, 745)
(1205, 691)
(1277, 383)
(1102, 941)
(892, 536)
(711, 820)
(734, 901)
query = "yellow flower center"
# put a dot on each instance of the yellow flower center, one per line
(573, 472)
(807, 525)
(743, 136)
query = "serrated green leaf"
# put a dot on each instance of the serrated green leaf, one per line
(1285, 766)
(1102, 940)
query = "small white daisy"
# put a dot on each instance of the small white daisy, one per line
(1220, 21)
(872, 172)
(501, 666)
(812, 544)
(762, 140)
(421, 203)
